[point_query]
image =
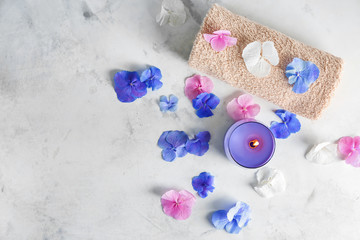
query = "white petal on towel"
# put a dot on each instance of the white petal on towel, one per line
(172, 12)
(323, 153)
(252, 54)
(261, 69)
(269, 52)
(270, 181)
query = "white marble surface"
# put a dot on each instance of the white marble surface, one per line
(75, 163)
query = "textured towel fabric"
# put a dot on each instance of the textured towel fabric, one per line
(229, 65)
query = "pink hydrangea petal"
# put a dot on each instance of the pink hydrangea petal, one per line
(353, 159)
(208, 37)
(230, 41)
(253, 110)
(177, 204)
(234, 110)
(206, 84)
(222, 32)
(245, 100)
(357, 142)
(197, 84)
(345, 146)
(218, 44)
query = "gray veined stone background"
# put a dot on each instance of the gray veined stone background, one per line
(75, 163)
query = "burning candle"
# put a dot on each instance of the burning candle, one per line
(249, 143)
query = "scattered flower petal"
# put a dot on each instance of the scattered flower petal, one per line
(128, 86)
(233, 220)
(197, 84)
(203, 184)
(200, 144)
(168, 105)
(172, 12)
(289, 125)
(242, 107)
(302, 73)
(204, 102)
(220, 39)
(151, 77)
(349, 149)
(173, 144)
(270, 181)
(178, 204)
(323, 153)
(259, 57)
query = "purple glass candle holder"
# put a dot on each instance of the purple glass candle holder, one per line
(249, 143)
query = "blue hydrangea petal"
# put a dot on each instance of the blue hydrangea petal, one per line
(181, 151)
(280, 130)
(284, 115)
(177, 138)
(138, 90)
(203, 136)
(145, 75)
(197, 103)
(155, 73)
(173, 107)
(311, 73)
(162, 143)
(232, 227)
(243, 215)
(203, 194)
(155, 84)
(293, 124)
(204, 112)
(163, 106)
(297, 64)
(213, 101)
(121, 79)
(193, 146)
(168, 154)
(203, 149)
(163, 99)
(300, 86)
(197, 183)
(219, 219)
(124, 95)
(292, 79)
(173, 99)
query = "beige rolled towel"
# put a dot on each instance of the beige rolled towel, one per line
(229, 65)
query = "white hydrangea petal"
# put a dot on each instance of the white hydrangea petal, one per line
(261, 69)
(323, 153)
(270, 181)
(163, 17)
(252, 54)
(270, 53)
(172, 12)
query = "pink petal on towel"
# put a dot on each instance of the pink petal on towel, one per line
(197, 84)
(230, 41)
(208, 37)
(222, 32)
(218, 43)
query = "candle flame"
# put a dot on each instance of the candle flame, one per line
(254, 143)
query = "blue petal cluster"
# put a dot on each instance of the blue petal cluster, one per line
(200, 144)
(204, 102)
(151, 77)
(203, 184)
(168, 105)
(289, 125)
(233, 220)
(128, 86)
(177, 144)
(302, 73)
(172, 144)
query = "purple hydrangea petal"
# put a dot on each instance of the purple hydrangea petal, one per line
(168, 154)
(213, 101)
(203, 136)
(162, 143)
(124, 95)
(121, 79)
(219, 219)
(280, 130)
(203, 149)
(177, 138)
(204, 111)
(138, 90)
(197, 183)
(203, 194)
(293, 124)
(193, 146)
(232, 227)
(181, 151)
(203, 184)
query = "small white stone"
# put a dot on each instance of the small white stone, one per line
(323, 153)
(173, 12)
